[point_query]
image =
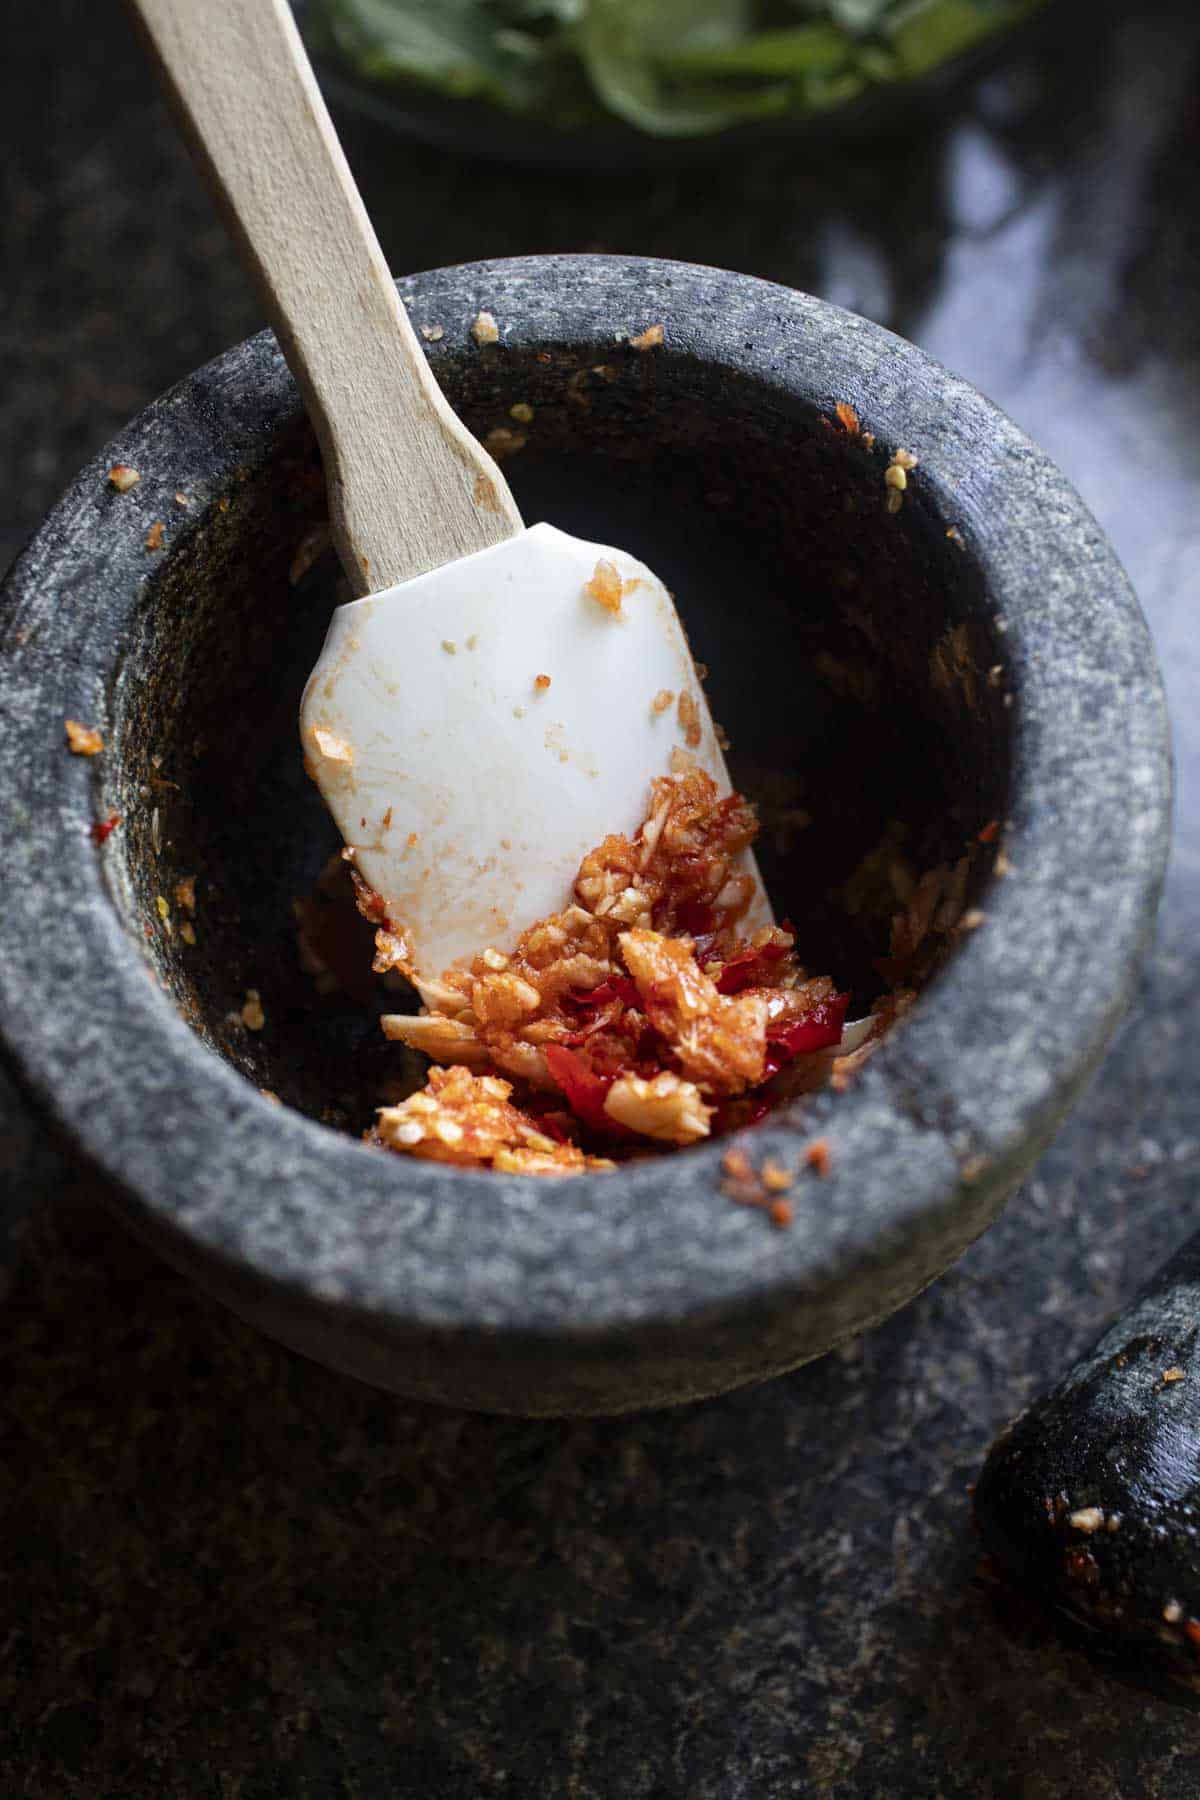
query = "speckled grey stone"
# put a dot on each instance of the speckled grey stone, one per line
(647, 1286)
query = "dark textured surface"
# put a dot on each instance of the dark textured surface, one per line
(228, 1573)
(644, 1285)
(1090, 1502)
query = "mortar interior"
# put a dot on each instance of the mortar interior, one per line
(848, 650)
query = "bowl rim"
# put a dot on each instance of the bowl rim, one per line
(927, 1143)
(489, 131)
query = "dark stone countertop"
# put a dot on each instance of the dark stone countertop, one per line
(227, 1572)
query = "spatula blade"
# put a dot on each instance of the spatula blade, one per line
(467, 785)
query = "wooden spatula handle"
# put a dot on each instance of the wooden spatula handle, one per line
(409, 488)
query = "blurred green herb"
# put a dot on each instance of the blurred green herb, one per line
(672, 68)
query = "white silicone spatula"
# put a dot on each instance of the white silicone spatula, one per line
(467, 784)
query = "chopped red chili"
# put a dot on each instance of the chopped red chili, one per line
(696, 919)
(551, 1115)
(574, 1039)
(746, 969)
(104, 828)
(584, 1091)
(740, 972)
(818, 1030)
(620, 987)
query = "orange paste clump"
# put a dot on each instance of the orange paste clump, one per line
(638, 1017)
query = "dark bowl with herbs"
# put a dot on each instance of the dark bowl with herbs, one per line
(969, 668)
(619, 84)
